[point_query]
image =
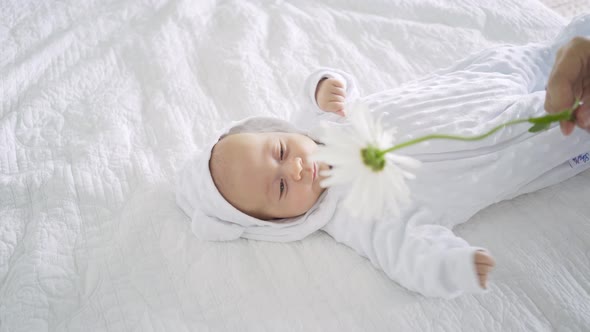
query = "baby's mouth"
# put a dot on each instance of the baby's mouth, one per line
(315, 171)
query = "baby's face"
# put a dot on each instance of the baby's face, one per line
(267, 175)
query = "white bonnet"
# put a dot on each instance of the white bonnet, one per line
(215, 219)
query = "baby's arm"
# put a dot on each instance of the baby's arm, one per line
(333, 88)
(428, 259)
(328, 89)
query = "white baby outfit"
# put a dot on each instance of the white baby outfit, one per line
(457, 179)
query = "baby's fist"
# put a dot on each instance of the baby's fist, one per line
(484, 264)
(330, 95)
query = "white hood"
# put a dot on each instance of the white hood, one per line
(215, 219)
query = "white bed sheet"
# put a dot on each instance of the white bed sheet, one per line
(101, 101)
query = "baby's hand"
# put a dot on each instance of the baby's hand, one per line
(330, 95)
(484, 264)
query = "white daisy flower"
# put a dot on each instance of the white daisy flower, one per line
(356, 153)
(360, 154)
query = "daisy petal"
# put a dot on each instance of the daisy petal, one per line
(372, 193)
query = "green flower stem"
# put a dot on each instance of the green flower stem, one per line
(540, 123)
(453, 137)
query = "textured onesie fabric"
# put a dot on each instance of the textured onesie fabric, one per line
(457, 179)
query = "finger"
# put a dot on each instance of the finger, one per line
(338, 91)
(341, 113)
(483, 280)
(567, 127)
(484, 258)
(583, 116)
(548, 107)
(585, 87)
(483, 268)
(330, 107)
(559, 53)
(560, 94)
(565, 81)
(336, 98)
(334, 106)
(336, 83)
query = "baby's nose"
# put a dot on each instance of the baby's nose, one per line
(295, 169)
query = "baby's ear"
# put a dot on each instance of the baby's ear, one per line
(209, 228)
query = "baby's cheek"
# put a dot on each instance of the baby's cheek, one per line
(305, 199)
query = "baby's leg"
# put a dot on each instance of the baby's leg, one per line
(528, 64)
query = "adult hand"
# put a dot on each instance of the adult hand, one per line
(570, 79)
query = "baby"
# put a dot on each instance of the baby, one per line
(267, 175)
(257, 180)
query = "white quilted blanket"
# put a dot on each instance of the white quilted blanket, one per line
(101, 101)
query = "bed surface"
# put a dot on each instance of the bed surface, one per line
(102, 101)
